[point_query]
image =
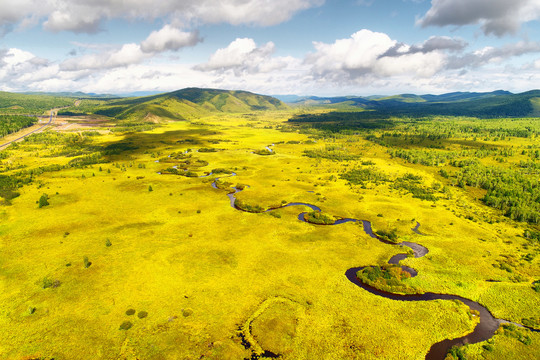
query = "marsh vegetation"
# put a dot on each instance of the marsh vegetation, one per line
(159, 265)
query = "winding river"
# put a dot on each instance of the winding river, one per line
(484, 330)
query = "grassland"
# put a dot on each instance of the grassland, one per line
(129, 261)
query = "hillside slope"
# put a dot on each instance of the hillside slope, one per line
(187, 104)
(35, 104)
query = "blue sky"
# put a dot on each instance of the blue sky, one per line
(315, 47)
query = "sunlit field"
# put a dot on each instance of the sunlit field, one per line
(115, 245)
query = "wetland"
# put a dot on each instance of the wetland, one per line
(409, 239)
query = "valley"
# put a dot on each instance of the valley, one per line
(118, 239)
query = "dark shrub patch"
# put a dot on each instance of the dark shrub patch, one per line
(142, 314)
(126, 325)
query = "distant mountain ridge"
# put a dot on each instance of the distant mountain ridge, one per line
(76, 94)
(483, 104)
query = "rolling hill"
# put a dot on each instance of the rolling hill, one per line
(35, 104)
(185, 104)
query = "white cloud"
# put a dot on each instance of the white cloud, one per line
(86, 16)
(15, 11)
(367, 55)
(127, 55)
(169, 38)
(418, 64)
(497, 17)
(243, 56)
(490, 55)
(18, 66)
(77, 21)
(442, 43)
(366, 62)
(108, 57)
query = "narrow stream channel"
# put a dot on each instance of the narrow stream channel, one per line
(483, 331)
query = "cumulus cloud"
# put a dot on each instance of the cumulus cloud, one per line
(490, 54)
(14, 11)
(3, 53)
(86, 16)
(367, 55)
(497, 17)
(127, 55)
(77, 21)
(366, 62)
(107, 57)
(16, 64)
(169, 38)
(432, 44)
(243, 56)
(442, 43)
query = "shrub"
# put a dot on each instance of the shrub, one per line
(130, 312)
(86, 262)
(203, 150)
(142, 314)
(221, 171)
(412, 184)
(43, 200)
(126, 325)
(387, 277)
(241, 186)
(46, 283)
(248, 207)
(511, 330)
(330, 153)
(264, 152)
(317, 217)
(531, 322)
(108, 243)
(455, 353)
(9, 194)
(388, 235)
(275, 214)
(362, 176)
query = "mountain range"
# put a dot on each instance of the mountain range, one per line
(480, 104)
(191, 103)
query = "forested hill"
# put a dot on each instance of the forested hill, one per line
(227, 100)
(491, 104)
(35, 104)
(187, 103)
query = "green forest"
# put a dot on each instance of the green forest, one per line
(13, 123)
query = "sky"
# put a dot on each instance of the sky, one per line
(301, 47)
